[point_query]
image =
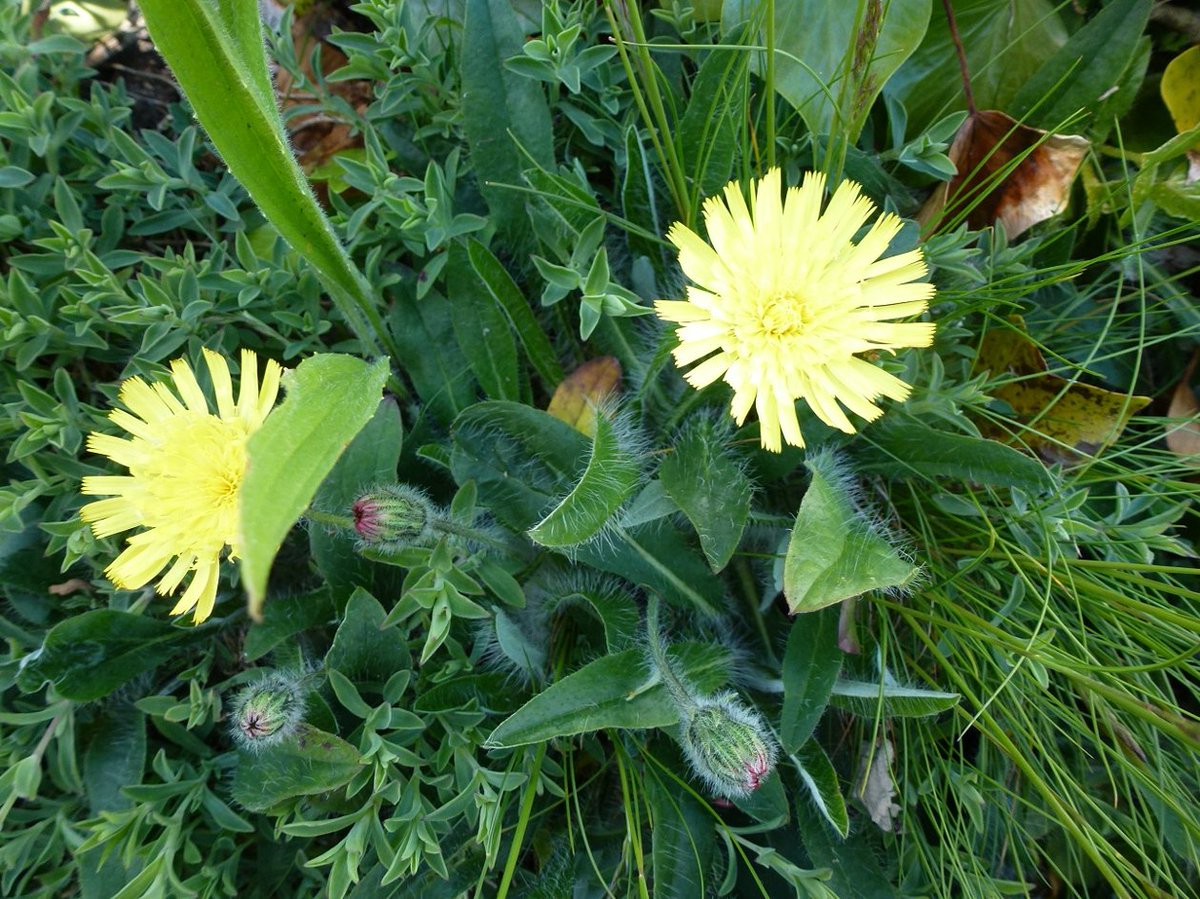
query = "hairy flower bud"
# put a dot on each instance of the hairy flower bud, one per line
(267, 712)
(728, 745)
(393, 516)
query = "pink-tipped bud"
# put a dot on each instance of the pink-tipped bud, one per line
(728, 745)
(392, 517)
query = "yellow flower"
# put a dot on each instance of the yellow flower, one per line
(783, 300)
(185, 476)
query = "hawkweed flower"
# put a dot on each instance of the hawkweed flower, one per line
(783, 302)
(728, 745)
(185, 475)
(391, 517)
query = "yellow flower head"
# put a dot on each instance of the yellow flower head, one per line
(783, 300)
(185, 476)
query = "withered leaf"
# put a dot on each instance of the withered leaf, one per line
(1035, 189)
(1063, 420)
(1183, 438)
(575, 399)
(316, 136)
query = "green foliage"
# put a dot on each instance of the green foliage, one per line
(482, 715)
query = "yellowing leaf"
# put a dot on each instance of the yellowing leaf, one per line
(1062, 419)
(1180, 87)
(575, 399)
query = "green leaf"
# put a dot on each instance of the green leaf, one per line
(371, 459)
(284, 618)
(609, 479)
(504, 115)
(818, 775)
(638, 201)
(482, 329)
(1083, 72)
(361, 649)
(519, 457)
(811, 665)
(713, 491)
(430, 355)
(705, 135)
(833, 553)
(508, 297)
(522, 458)
(90, 655)
(682, 840)
(330, 398)
(115, 757)
(215, 51)
(305, 764)
(826, 64)
(853, 863)
(1006, 42)
(910, 449)
(612, 691)
(889, 700)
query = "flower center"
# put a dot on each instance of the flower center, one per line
(193, 477)
(785, 315)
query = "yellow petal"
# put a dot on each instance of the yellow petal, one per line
(222, 384)
(188, 386)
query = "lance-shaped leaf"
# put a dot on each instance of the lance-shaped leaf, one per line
(834, 553)
(711, 488)
(215, 49)
(889, 700)
(329, 399)
(610, 478)
(310, 761)
(613, 691)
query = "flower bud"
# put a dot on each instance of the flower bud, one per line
(269, 711)
(728, 744)
(393, 516)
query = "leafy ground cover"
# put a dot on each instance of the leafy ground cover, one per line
(490, 448)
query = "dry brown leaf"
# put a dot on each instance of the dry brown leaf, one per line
(1184, 439)
(66, 588)
(1035, 190)
(575, 399)
(315, 136)
(875, 786)
(1064, 420)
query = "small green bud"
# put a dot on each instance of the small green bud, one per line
(393, 516)
(728, 744)
(267, 712)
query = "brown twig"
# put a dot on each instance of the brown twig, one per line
(962, 56)
(1185, 21)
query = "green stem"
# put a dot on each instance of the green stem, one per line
(769, 78)
(514, 852)
(750, 589)
(658, 124)
(1067, 816)
(327, 518)
(633, 827)
(658, 651)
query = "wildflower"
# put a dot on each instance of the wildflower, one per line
(269, 711)
(391, 517)
(728, 745)
(185, 475)
(783, 300)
